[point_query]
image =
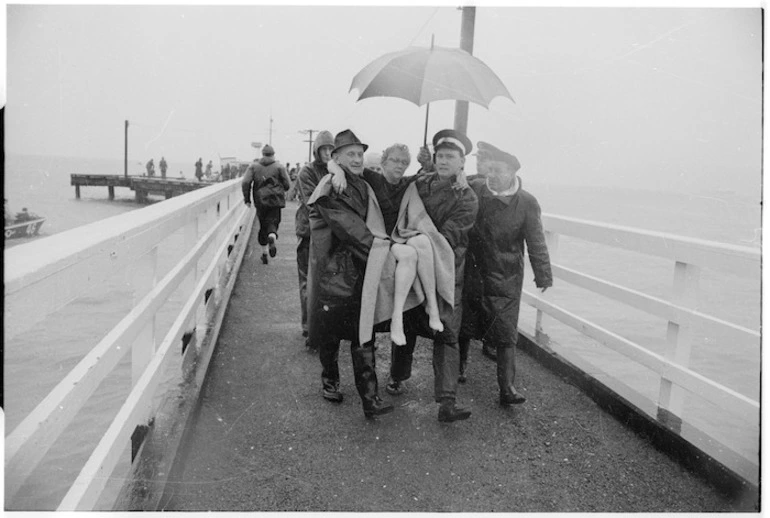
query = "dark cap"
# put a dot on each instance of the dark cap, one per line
(490, 152)
(346, 138)
(455, 139)
(268, 150)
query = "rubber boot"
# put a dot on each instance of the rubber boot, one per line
(506, 372)
(366, 382)
(463, 345)
(448, 411)
(330, 372)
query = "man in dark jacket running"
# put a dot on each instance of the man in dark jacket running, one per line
(339, 250)
(268, 181)
(508, 217)
(307, 180)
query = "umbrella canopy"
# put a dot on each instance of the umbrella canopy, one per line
(423, 75)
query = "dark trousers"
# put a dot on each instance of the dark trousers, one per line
(303, 257)
(269, 219)
(446, 356)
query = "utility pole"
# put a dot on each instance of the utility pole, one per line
(466, 43)
(309, 143)
(270, 135)
(125, 152)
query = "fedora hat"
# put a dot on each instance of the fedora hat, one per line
(347, 138)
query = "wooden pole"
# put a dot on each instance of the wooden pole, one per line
(125, 152)
(466, 44)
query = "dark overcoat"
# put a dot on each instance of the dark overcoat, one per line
(307, 180)
(453, 212)
(503, 225)
(266, 182)
(339, 248)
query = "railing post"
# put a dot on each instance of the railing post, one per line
(679, 344)
(552, 242)
(144, 278)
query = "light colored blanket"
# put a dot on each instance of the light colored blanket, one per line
(379, 279)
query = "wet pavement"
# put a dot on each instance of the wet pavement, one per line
(265, 439)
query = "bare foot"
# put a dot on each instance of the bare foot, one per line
(435, 323)
(397, 335)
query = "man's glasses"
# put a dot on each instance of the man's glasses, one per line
(403, 161)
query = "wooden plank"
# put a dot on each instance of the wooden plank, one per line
(33, 437)
(89, 484)
(649, 304)
(738, 260)
(692, 381)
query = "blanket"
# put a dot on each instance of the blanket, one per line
(379, 278)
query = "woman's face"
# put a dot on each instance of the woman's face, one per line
(394, 167)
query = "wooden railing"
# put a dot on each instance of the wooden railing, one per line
(46, 275)
(688, 257)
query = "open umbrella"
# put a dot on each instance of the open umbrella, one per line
(423, 75)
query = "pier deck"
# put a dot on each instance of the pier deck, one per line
(265, 440)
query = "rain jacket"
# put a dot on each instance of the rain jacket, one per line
(267, 181)
(307, 180)
(453, 212)
(503, 225)
(339, 248)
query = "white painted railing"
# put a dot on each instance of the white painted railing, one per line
(676, 378)
(44, 276)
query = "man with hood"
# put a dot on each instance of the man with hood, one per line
(508, 217)
(268, 181)
(307, 180)
(339, 251)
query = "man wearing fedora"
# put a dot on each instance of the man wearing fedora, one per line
(268, 181)
(508, 217)
(452, 206)
(339, 249)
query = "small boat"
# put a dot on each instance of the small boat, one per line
(25, 224)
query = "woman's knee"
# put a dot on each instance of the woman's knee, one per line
(403, 253)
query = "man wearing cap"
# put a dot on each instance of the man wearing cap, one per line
(508, 217)
(268, 181)
(452, 207)
(339, 249)
(307, 180)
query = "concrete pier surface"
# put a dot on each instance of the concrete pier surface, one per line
(265, 439)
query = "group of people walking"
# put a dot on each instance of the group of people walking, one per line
(437, 254)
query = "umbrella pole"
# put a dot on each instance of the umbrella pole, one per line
(425, 135)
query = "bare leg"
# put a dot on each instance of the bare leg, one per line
(406, 271)
(427, 275)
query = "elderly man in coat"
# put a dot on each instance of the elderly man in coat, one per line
(339, 249)
(508, 217)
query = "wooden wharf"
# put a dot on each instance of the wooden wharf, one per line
(143, 186)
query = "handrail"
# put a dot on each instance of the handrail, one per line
(689, 256)
(76, 261)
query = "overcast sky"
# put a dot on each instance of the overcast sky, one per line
(665, 98)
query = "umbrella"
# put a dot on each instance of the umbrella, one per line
(423, 75)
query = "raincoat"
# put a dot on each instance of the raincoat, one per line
(267, 181)
(503, 225)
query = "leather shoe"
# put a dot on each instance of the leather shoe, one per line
(273, 250)
(449, 412)
(395, 388)
(489, 352)
(333, 395)
(377, 407)
(512, 398)
(264, 258)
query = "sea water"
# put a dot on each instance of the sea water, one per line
(41, 357)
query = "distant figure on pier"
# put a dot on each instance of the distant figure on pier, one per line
(226, 173)
(163, 167)
(150, 168)
(267, 181)
(307, 180)
(209, 166)
(508, 217)
(181, 174)
(199, 169)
